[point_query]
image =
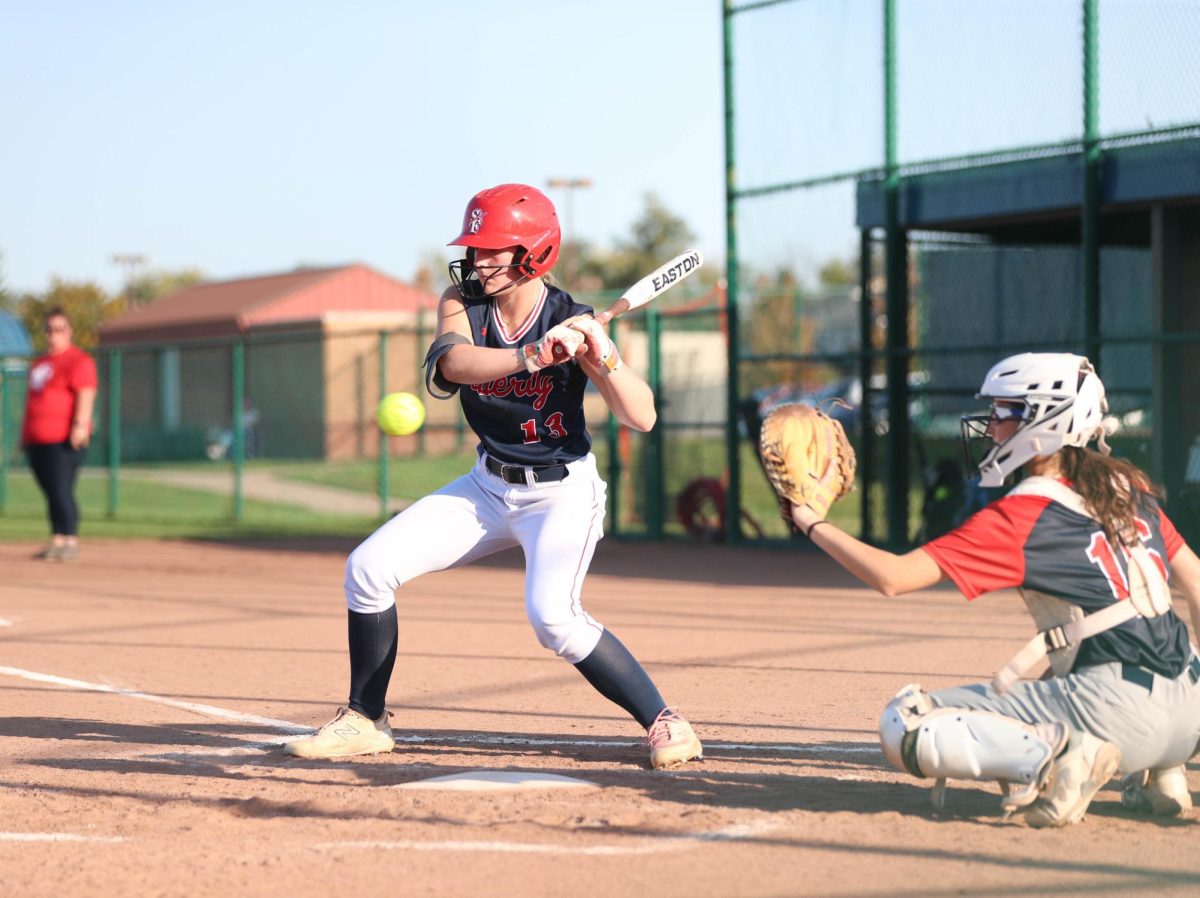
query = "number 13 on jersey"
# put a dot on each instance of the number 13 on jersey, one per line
(554, 427)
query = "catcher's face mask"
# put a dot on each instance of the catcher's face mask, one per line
(984, 436)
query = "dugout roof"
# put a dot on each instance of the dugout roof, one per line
(1040, 199)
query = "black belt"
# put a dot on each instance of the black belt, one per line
(1132, 673)
(516, 473)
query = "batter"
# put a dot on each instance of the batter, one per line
(519, 353)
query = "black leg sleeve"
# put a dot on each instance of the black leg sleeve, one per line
(372, 656)
(616, 675)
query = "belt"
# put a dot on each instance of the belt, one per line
(1131, 673)
(527, 474)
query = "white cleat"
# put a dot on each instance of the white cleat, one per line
(1075, 778)
(348, 734)
(672, 740)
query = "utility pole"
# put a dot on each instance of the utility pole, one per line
(570, 185)
(131, 262)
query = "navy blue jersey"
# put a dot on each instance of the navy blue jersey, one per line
(528, 419)
(1031, 541)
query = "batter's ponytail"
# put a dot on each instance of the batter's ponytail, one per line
(1113, 489)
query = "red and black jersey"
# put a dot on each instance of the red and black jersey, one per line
(528, 419)
(1033, 542)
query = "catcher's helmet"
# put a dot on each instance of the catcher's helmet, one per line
(1059, 400)
(513, 215)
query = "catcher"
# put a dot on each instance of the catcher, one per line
(1085, 542)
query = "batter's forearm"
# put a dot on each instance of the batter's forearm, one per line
(479, 364)
(627, 395)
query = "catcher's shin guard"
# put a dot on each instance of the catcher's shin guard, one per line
(961, 743)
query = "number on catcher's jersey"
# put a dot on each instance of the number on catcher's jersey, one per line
(1100, 552)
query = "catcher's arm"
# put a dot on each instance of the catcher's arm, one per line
(887, 572)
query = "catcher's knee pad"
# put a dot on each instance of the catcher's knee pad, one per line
(962, 743)
(370, 583)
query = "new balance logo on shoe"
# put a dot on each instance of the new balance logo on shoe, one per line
(348, 734)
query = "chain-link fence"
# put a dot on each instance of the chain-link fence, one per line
(918, 189)
(209, 413)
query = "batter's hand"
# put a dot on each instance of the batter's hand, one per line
(597, 349)
(559, 345)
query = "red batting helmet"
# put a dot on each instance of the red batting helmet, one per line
(513, 215)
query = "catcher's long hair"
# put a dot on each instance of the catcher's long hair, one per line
(1115, 490)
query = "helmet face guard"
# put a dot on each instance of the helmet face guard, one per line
(470, 279)
(1059, 400)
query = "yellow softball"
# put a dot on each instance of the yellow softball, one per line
(400, 414)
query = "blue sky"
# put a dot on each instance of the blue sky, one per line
(251, 137)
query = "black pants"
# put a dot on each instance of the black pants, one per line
(56, 466)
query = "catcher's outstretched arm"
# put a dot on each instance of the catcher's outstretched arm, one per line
(887, 572)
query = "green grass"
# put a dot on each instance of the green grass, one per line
(148, 510)
(408, 478)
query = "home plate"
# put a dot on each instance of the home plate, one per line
(483, 780)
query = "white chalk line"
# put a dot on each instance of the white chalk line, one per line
(206, 710)
(410, 739)
(57, 837)
(740, 832)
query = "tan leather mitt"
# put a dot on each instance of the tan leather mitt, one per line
(807, 458)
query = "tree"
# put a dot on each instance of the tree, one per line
(655, 237)
(145, 288)
(7, 300)
(86, 304)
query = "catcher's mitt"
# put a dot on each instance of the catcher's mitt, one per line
(806, 457)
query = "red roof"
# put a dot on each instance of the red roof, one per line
(224, 308)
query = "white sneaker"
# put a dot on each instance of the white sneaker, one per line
(672, 740)
(349, 733)
(1075, 778)
(1161, 792)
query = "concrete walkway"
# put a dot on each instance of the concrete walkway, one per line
(267, 487)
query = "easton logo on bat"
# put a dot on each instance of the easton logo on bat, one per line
(683, 267)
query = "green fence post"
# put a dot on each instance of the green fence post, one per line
(866, 446)
(5, 429)
(384, 486)
(733, 461)
(613, 435)
(1090, 212)
(114, 431)
(896, 253)
(420, 357)
(655, 480)
(239, 434)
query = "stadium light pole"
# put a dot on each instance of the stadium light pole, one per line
(131, 262)
(570, 185)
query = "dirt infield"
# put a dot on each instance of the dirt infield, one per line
(145, 692)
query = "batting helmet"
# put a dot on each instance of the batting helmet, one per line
(513, 215)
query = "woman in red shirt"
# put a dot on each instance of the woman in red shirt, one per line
(57, 429)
